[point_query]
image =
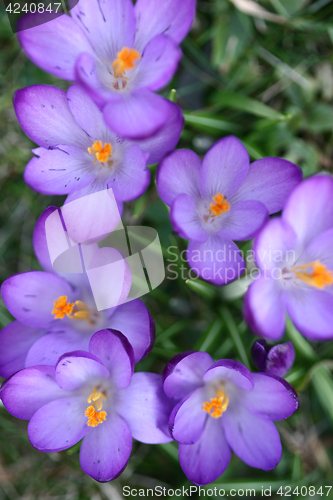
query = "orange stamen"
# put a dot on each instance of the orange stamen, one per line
(219, 206)
(320, 277)
(125, 60)
(218, 405)
(62, 307)
(101, 153)
(93, 412)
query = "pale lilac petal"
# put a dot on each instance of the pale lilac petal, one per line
(116, 354)
(272, 398)
(74, 369)
(184, 373)
(218, 260)
(186, 220)
(106, 449)
(54, 45)
(319, 249)
(87, 69)
(15, 342)
(255, 440)
(187, 421)
(135, 322)
(44, 115)
(207, 459)
(269, 180)
(59, 424)
(243, 221)
(170, 17)
(39, 240)
(264, 308)
(231, 371)
(138, 115)
(159, 62)
(280, 359)
(178, 174)
(30, 296)
(30, 389)
(146, 408)
(224, 168)
(61, 170)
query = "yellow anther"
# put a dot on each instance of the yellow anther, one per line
(320, 277)
(93, 412)
(125, 60)
(101, 153)
(62, 307)
(219, 206)
(77, 310)
(216, 406)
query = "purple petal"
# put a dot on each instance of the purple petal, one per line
(312, 312)
(44, 115)
(166, 139)
(264, 308)
(218, 260)
(259, 353)
(59, 424)
(186, 220)
(187, 421)
(159, 62)
(171, 18)
(270, 181)
(255, 440)
(146, 408)
(307, 212)
(135, 322)
(76, 368)
(39, 240)
(138, 115)
(30, 389)
(207, 459)
(87, 71)
(30, 296)
(320, 248)
(15, 342)
(224, 168)
(178, 174)
(55, 45)
(232, 371)
(116, 353)
(280, 359)
(272, 398)
(184, 373)
(243, 220)
(106, 449)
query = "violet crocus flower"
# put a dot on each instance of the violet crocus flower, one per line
(295, 260)
(119, 53)
(221, 200)
(56, 313)
(224, 407)
(273, 359)
(78, 153)
(92, 396)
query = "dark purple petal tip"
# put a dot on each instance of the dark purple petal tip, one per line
(275, 360)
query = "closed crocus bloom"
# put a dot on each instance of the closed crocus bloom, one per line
(273, 359)
(120, 55)
(92, 396)
(78, 154)
(221, 200)
(56, 312)
(295, 260)
(224, 407)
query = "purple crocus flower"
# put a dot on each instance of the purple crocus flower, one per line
(224, 407)
(120, 54)
(221, 200)
(95, 396)
(78, 153)
(274, 360)
(56, 313)
(295, 260)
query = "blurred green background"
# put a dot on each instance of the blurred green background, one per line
(264, 72)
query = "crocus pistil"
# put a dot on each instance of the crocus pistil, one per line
(125, 61)
(219, 205)
(217, 406)
(101, 153)
(93, 412)
(320, 277)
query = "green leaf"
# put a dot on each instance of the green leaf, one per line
(201, 288)
(241, 102)
(203, 121)
(173, 95)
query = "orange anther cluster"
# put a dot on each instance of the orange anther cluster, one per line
(218, 405)
(94, 417)
(101, 153)
(320, 277)
(125, 60)
(62, 307)
(219, 206)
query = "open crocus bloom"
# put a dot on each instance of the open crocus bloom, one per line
(95, 396)
(224, 407)
(221, 200)
(120, 54)
(78, 153)
(295, 260)
(56, 313)
(275, 360)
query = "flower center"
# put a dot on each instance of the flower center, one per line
(75, 310)
(93, 412)
(101, 153)
(125, 60)
(319, 276)
(219, 206)
(216, 406)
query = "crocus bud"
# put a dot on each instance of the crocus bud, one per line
(274, 360)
